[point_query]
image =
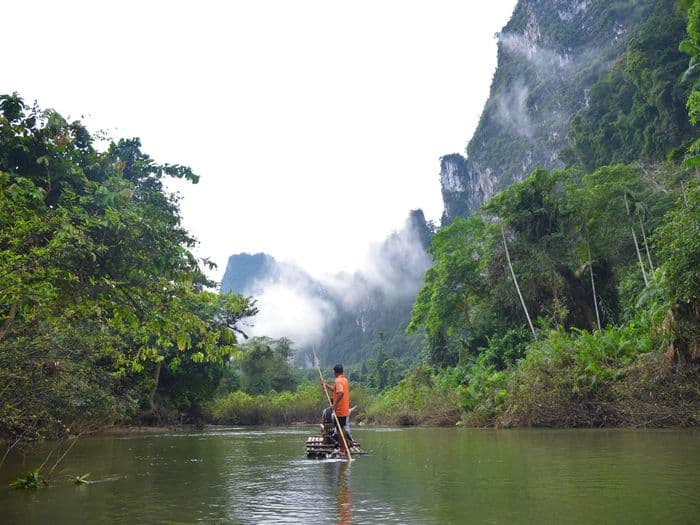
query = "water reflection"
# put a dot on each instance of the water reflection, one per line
(337, 474)
(411, 476)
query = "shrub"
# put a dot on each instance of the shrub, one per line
(567, 378)
(416, 400)
(240, 408)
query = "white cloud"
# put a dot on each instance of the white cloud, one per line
(294, 305)
(286, 310)
(512, 111)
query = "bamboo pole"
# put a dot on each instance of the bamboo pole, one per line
(341, 431)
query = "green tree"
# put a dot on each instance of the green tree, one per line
(636, 111)
(679, 241)
(99, 283)
(543, 231)
(445, 304)
(265, 366)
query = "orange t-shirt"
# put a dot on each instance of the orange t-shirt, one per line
(341, 385)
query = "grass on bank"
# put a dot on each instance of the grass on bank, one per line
(304, 405)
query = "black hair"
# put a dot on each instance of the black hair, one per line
(338, 369)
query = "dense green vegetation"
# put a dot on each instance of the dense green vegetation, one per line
(606, 348)
(101, 299)
(691, 47)
(572, 298)
(636, 112)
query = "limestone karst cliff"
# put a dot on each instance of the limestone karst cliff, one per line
(550, 54)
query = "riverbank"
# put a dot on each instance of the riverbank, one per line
(117, 430)
(546, 390)
(651, 393)
(549, 388)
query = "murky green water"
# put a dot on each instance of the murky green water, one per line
(243, 475)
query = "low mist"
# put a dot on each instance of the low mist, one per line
(295, 305)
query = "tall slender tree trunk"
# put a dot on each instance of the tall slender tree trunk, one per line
(685, 195)
(636, 247)
(515, 280)
(639, 258)
(646, 244)
(10, 319)
(152, 395)
(595, 299)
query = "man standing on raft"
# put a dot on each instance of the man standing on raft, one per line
(341, 398)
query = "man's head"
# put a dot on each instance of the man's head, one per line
(338, 369)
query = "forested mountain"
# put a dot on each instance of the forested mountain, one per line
(560, 59)
(569, 294)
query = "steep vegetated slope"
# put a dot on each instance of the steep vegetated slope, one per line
(636, 112)
(550, 55)
(569, 294)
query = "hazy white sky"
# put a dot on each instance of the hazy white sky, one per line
(316, 125)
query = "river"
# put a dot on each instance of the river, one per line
(412, 475)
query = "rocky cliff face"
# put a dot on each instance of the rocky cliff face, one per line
(549, 55)
(244, 269)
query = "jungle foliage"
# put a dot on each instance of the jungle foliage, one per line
(607, 265)
(106, 316)
(602, 257)
(637, 111)
(100, 295)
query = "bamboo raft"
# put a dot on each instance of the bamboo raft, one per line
(324, 446)
(317, 448)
